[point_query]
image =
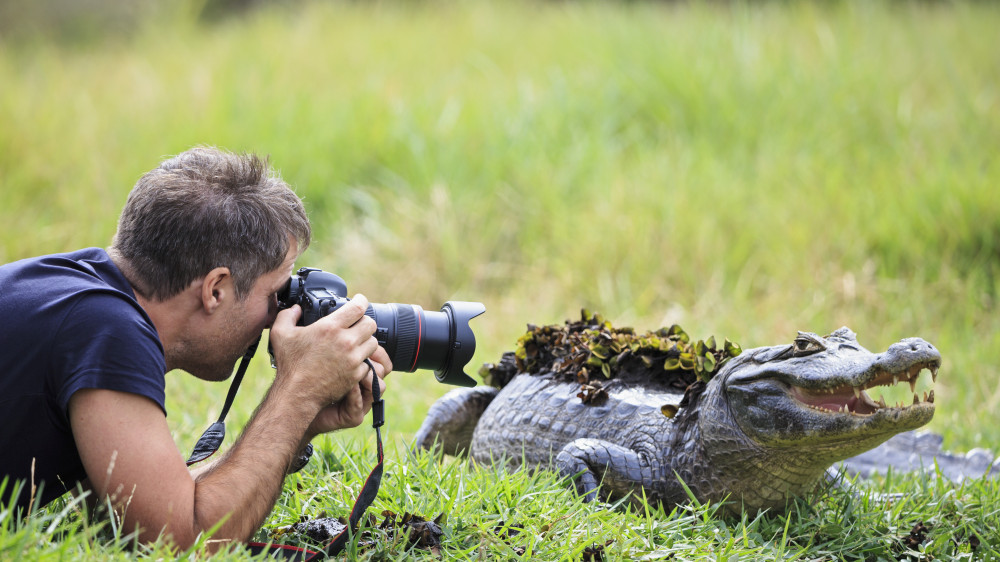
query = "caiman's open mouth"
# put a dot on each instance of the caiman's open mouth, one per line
(850, 399)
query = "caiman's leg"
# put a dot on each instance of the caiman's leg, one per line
(618, 469)
(452, 419)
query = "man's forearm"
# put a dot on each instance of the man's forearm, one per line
(207, 466)
(318, 364)
(245, 483)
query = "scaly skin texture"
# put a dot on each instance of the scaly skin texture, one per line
(765, 428)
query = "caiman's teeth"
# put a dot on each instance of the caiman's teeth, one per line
(930, 396)
(857, 392)
(895, 379)
(881, 402)
(913, 385)
(915, 399)
(934, 371)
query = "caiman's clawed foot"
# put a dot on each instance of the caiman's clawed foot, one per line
(596, 463)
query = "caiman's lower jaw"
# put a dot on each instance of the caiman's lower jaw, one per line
(852, 400)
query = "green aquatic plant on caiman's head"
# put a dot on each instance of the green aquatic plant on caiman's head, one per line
(591, 348)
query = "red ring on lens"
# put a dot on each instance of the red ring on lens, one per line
(420, 333)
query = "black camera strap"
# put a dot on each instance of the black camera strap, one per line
(211, 440)
(370, 489)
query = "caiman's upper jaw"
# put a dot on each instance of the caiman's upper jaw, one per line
(853, 400)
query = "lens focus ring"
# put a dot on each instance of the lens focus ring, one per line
(406, 336)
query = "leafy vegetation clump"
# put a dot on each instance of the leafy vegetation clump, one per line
(591, 349)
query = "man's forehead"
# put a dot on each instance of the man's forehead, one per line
(279, 283)
(285, 271)
(275, 280)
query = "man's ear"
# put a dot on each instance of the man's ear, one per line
(216, 288)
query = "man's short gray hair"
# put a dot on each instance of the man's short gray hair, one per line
(202, 209)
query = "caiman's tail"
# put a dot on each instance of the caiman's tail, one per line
(921, 451)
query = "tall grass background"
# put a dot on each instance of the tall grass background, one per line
(744, 169)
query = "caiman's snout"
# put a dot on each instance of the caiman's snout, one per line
(907, 352)
(912, 345)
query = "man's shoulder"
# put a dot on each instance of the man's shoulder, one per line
(83, 286)
(94, 308)
(75, 322)
(82, 268)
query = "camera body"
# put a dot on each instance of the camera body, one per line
(412, 337)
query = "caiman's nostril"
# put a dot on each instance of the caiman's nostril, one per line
(912, 345)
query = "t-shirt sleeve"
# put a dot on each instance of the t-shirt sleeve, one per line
(106, 342)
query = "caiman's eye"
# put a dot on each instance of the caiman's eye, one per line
(807, 343)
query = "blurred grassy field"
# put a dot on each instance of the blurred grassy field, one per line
(746, 170)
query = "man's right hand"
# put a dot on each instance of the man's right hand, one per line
(324, 363)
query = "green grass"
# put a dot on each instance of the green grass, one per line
(487, 516)
(746, 170)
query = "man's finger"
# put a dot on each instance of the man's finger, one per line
(287, 318)
(349, 314)
(381, 358)
(366, 381)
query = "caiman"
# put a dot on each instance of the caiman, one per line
(766, 426)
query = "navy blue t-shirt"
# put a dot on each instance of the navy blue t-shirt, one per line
(67, 322)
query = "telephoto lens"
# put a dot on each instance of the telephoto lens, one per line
(412, 337)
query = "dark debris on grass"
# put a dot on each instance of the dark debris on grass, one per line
(908, 547)
(419, 531)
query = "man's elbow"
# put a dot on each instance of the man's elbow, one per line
(185, 539)
(185, 532)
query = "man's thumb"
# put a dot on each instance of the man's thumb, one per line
(287, 318)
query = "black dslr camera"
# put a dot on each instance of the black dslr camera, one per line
(413, 338)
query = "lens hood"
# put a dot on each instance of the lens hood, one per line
(463, 345)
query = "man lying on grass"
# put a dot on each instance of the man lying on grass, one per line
(204, 243)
